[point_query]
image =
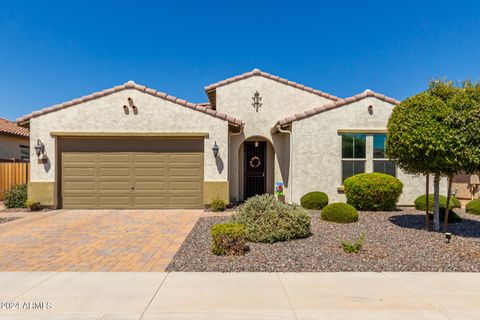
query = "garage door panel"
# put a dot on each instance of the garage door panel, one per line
(148, 172)
(149, 158)
(105, 158)
(81, 201)
(184, 202)
(80, 186)
(132, 180)
(187, 186)
(151, 202)
(184, 158)
(114, 186)
(79, 172)
(159, 186)
(115, 172)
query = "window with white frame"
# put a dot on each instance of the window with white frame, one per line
(380, 163)
(353, 154)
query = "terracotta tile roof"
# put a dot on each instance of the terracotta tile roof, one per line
(11, 128)
(257, 72)
(201, 107)
(336, 104)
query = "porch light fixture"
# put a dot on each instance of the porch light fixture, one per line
(215, 149)
(370, 109)
(448, 236)
(39, 148)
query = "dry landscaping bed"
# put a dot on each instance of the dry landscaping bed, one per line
(394, 241)
(8, 219)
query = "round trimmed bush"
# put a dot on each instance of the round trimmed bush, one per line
(16, 197)
(339, 212)
(267, 220)
(373, 191)
(315, 200)
(421, 202)
(228, 239)
(473, 207)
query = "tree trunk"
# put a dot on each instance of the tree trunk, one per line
(445, 221)
(427, 203)
(436, 202)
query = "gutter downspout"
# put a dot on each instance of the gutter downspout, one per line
(290, 178)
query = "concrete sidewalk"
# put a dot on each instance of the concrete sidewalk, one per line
(239, 295)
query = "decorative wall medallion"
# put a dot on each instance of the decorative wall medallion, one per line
(256, 100)
(255, 162)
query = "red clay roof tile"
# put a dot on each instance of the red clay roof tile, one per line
(256, 72)
(11, 128)
(201, 107)
(335, 104)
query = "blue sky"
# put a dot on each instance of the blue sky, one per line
(52, 51)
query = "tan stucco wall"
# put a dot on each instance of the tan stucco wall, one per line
(278, 101)
(316, 145)
(43, 192)
(10, 146)
(215, 190)
(106, 114)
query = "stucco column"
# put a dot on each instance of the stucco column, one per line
(369, 154)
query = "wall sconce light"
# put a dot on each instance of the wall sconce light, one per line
(215, 149)
(40, 151)
(370, 109)
(39, 148)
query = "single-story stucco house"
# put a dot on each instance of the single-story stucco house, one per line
(135, 147)
(14, 142)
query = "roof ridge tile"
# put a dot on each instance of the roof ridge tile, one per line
(335, 104)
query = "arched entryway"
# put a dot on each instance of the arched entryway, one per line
(256, 167)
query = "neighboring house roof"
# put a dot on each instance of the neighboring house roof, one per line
(210, 90)
(335, 104)
(11, 128)
(201, 107)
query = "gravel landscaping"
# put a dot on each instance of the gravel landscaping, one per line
(394, 241)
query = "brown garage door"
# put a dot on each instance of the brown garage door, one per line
(140, 179)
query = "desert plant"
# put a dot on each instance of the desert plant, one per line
(228, 239)
(33, 205)
(16, 197)
(267, 220)
(373, 191)
(315, 200)
(218, 205)
(473, 207)
(420, 202)
(355, 246)
(339, 212)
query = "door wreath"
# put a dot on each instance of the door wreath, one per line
(255, 162)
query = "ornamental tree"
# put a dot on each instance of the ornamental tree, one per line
(437, 132)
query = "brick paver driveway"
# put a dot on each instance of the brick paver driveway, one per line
(95, 240)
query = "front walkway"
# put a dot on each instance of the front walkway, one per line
(94, 240)
(289, 296)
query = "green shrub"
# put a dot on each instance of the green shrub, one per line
(453, 217)
(353, 247)
(218, 205)
(473, 207)
(315, 200)
(228, 239)
(373, 191)
(421, 202)
(16, 197)
(33, 205)
(339, 212)
(267, 220)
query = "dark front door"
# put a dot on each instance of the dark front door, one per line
(255, 156)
